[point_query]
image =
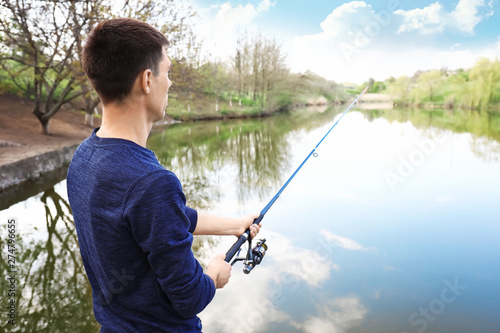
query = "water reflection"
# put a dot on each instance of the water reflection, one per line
(209, 156)
(344, 242)
(53, 291)
(30, 188)
(252, 154)
(485, 148)
(292, 278)
(335, 316)
(484, 126)
(345, 253)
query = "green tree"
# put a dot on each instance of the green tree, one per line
(399, 87)
(429, 82)
(486, 74)
(467, 93)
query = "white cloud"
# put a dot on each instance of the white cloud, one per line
(230, 17)
(357, 42)
(337, 316)
(467, 14)
(342, 25)
(338, 21)
(264, 5)
(427, 20)
(343, 242)
(221, 23)
(434, 19)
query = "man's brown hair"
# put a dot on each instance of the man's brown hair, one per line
(116, 51)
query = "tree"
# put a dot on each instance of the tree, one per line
(274, 71)
(487, 74)
(466, 92)
(46, 38)
(90, 97)
(38, 35)
(217, 80)
(172, 19)
(312, 84)
(429, 81)
(256, 63)
(370, 83)
(187, 82)
(241, 64)
(260, 67)
(399, 87)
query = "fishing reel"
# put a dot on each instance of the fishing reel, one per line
(254, 255)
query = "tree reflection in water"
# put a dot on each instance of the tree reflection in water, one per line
(210, 158)
(251, 155)
(53, 293)
(483, 126)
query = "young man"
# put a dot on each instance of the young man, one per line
(133, 225)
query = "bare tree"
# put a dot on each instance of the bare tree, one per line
(241, 64)
(45, 39)
(172, 18)
(217, 79)
(256, 65)
(39, 37)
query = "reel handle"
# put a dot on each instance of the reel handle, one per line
(241, 240)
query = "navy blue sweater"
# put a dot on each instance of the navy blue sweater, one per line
(135, 235)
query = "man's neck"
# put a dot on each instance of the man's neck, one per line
(125, 121)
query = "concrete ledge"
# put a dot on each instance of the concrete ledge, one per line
(32, 168)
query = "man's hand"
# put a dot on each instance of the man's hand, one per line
(247, 222)
(219, 271)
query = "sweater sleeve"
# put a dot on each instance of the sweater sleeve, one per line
(193, 218)
(155, 209)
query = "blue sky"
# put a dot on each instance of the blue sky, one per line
(353, 41)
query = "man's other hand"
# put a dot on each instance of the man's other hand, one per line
(219, 270)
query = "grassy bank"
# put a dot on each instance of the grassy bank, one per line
(203, 107)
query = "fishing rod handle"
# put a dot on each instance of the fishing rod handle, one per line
(241, 240)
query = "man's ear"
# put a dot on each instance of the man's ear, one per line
(146, 80)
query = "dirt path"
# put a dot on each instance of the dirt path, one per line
(20, 131)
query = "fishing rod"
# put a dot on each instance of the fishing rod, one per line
(255, 255)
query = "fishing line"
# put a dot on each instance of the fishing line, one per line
(254, 256)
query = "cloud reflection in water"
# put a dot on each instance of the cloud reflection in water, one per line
(344, 242)
(252, 303)
(336, 316)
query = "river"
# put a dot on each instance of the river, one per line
(393, 227)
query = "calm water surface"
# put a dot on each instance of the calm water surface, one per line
(394, 227)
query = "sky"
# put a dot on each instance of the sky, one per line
(354, 41)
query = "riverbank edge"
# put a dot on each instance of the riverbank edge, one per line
(442, 105)
(222, 115)
(230, 114)
(32, 168)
